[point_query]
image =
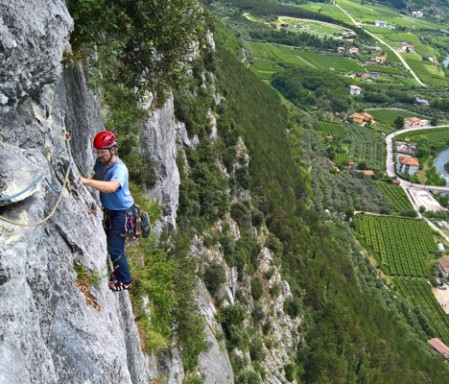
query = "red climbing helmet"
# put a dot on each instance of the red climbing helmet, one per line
(104, 140)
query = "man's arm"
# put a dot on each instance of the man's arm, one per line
(100, 185)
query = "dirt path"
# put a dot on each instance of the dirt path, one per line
(442, 297)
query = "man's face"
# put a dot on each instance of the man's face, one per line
(104, 155)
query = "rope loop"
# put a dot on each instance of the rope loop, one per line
(67, 139)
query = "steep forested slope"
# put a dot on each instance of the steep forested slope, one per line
(355, 330)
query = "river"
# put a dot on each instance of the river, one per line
(442, 158)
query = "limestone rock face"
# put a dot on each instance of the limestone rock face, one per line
(161, 137)
(33, 38)
(50, 332)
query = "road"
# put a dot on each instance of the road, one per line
(359, 24)
(390, 164)
(418, 194)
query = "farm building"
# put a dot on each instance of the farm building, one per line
(379, 59)
(362, 117)
(381, 24)
(407, 165)
(407, 47)
(354, 90)
(443, 265)
(353, 50)
(422, 101)
(417, 14)
(415, 122)
(439, 346)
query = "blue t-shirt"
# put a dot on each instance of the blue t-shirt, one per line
(121, 199)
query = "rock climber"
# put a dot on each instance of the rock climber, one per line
(111, 180)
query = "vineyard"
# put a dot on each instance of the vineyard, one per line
(403, 246)
(396, 195)
(418, 292)
(355, 143)
(436, 137)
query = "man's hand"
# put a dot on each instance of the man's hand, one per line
(100, 185)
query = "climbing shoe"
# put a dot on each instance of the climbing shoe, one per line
(119, 286)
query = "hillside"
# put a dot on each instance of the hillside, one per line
(253, 272)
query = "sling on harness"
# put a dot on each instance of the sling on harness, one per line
(137, 223)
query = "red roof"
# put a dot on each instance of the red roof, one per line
(444, 264)
(412, 118)
(408, 160)
(439, 346)
(367, 172)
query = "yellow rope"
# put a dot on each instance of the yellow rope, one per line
(58, 201)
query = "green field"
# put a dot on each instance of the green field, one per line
(418, 292)
(369, 13)
(402, 246)
(263, 53)
(396, 195)
(387, 116)
(355, 143)
(430, 73)
(277, 54)
(438, 137)
(315, 27)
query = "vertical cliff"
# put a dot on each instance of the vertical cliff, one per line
(52, 332)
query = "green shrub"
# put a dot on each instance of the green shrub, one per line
(247, 377)
(256, 350)
(292, 307)
(256, 288)
(241, 213)
(275, 290)
(214, 277)
(258, 314)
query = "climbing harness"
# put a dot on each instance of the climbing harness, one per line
(35, 182)
(137, 222)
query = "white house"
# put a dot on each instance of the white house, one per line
(415, 122)
(354, 90)
(407, 165)
(381, 24)
(417, 14)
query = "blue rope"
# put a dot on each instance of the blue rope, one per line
(32, 185)
(37, 180)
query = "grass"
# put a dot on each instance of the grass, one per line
(316, 27)
(267, 56)
(266, 53)
(369, 13)
(387, 116)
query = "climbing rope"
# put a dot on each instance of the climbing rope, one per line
(34, 183)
